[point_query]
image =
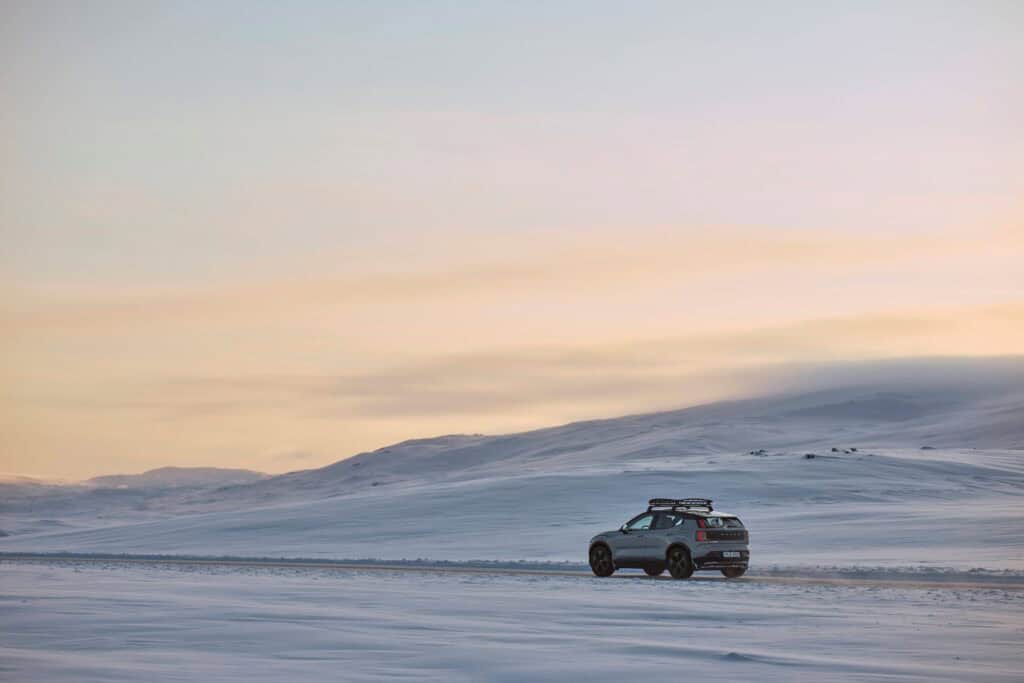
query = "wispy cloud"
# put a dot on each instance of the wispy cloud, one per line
(545, 267)
(580, 380)
(240, 372)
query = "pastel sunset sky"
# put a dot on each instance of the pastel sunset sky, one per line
(272, 235)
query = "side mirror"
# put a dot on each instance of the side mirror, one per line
(624, 529)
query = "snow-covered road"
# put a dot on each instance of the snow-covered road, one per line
(878, 577)
(78, 621)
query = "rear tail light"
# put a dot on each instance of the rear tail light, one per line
(702, 535)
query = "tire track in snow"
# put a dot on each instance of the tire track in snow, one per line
(1013, 584)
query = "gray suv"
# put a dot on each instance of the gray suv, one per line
(681, 535)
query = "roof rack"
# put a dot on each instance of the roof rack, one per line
(680, 503)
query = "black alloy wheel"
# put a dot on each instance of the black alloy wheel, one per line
(680, 566)
(601, 561)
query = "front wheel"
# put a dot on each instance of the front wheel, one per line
(601, 561)
(733, 572)
(680, 566)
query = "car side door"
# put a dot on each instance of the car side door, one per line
(632, 538)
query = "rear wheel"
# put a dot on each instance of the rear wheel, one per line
(601, 561)
(733, 572)
(653, 571)
(680, 566)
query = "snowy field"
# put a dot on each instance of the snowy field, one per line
(914, 491)
(81, 622)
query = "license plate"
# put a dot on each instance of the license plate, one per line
(731, 553)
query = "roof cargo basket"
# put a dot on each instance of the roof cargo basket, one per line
(680, 503)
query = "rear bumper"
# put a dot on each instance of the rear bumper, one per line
(713, 559)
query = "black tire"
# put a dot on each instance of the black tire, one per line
(601, 561)
(733, 572)
(680, 566)
(652, 571)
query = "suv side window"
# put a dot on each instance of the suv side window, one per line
(667, 520)
(641, 523)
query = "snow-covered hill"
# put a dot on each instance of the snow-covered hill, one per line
(32, 505)
(904, 473)
(179, 477)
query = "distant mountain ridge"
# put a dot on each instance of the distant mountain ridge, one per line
(177, 477)
(959, 402)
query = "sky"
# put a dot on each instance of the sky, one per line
(273, 235)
